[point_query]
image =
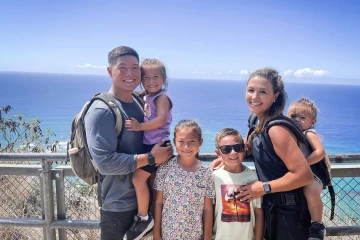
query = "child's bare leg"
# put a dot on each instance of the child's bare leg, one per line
(313, 197)
(151, 181)
(142, 191)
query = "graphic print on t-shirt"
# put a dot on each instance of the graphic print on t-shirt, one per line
(233, 210)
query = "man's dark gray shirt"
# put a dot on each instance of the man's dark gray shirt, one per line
(118, 193)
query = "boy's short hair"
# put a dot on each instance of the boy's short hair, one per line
(119, 52)
(227, 132)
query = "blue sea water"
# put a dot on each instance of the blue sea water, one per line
(56, 98)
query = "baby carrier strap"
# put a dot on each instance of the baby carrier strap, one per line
(319, 169)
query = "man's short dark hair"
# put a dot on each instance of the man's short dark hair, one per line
(119, 52)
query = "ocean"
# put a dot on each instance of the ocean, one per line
(215, 104)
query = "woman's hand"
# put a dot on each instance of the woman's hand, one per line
(251, 190)
(217, 163)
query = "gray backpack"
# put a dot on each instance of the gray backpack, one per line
(78, 151)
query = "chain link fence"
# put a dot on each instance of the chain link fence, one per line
(22, 197)
(347, 209)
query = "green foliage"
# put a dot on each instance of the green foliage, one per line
(20, 135)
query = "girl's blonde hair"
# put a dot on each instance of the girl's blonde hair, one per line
(307, 103)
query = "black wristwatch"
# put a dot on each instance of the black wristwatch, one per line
(151, 158)
(267, 187)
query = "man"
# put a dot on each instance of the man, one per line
(117, 160)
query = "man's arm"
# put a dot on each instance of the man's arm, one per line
(102, 141)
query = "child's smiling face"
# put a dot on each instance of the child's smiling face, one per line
(152, 80)
(187, 142)
(233, 158)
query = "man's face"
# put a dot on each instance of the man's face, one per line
(125, 74)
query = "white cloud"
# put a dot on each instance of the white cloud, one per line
(244, 72)
(307, 72)
(288, 72)
(88, 65)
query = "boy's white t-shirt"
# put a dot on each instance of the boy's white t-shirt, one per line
(233, 219)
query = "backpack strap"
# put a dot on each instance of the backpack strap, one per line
(287, 122)
(332, 198)
(116, 109)
(119, 116)
(138, 98)
(280, 121)
(252, 120)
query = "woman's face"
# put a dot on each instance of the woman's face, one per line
(259, 95)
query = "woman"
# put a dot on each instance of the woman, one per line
(282, 174)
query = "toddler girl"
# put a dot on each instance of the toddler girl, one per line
(156, 127)
(304, 113)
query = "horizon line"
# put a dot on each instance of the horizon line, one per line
(301, 80)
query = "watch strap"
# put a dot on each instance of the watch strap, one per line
(151, 158)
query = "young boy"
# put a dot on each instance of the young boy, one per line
(234, 219)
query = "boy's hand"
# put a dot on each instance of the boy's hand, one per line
(132, 125)
(161, 154)
(217, 163)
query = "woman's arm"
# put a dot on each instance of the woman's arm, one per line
(158, 215)
(163, 106)
(259, 224)
(318, 153)
(286, 148)
(208, 218)
(299, 173)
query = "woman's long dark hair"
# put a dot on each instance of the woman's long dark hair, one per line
(277, 107)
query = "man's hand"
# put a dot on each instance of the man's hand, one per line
(133, 125)
(162, 154)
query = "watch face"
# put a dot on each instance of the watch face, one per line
(151, 159)
(267, 187)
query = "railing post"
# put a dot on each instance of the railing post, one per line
(42, 200)
(60, 200)
(48, 198)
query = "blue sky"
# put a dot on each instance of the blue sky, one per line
(316, 41)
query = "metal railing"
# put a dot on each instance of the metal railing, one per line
(43, 199)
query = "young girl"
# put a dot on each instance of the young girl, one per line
(184, 190)
(156, 127)
(304, 113)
